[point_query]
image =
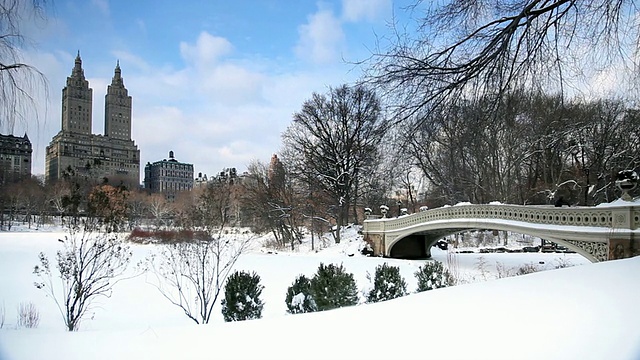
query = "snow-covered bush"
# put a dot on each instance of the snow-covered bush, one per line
(332, 287)
(242, 297)
(387, 284)
(299, 299)
(433, 275)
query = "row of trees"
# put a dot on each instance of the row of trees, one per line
(33, 202)
(469, 103)
(530, 150)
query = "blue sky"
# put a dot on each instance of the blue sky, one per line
(215, 81)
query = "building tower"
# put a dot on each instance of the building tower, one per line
(117, 109)
(76, 101)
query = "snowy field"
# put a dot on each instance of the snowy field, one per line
(586, 311)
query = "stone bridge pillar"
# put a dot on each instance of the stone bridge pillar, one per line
(376, 241)
(623, 245)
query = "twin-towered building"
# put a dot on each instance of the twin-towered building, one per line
(114, 156)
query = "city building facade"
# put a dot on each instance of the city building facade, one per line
(200, 181)
(168, 177)
(112, 157)
(15, 158)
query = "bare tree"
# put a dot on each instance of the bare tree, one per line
(30, 198)
(273, 202)
(136, 202)
(461, 49)
(159, 208)
(534, 149)
(88, 267)
(18, 81)
(191, 274)
(332, 143)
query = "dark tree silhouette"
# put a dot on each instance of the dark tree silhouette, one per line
(18, 81)
(467, 48)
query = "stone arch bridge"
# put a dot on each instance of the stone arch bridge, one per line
(598, 233)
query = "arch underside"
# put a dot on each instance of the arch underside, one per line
(594, 247)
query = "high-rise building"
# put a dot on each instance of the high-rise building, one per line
(168, 177)
(113, 156)
(15, 158)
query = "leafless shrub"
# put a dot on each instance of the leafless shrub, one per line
(138, 235)
(191, 275)
(272, 243)
(483, 267)
(2, 315)
(503, 271)
(563, 263)
(527, 269)
(88, 266)
(28, 315)
(453, 265)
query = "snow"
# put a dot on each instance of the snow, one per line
(620, 202)
(587, 311)
(297, 300)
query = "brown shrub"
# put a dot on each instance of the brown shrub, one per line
(166, 236)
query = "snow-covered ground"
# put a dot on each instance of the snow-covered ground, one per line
(587, 311)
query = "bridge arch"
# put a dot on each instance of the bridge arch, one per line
(424, 240)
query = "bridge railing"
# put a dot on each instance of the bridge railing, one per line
(622, 217)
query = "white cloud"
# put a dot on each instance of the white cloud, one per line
(232, 84)
(321, 38)
(206, 51)
(367, 10)
(102, 5)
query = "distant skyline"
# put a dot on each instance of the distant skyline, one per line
(216, 82)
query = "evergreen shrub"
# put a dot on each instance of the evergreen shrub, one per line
(387, 284)
(432, 275)
(332, 287)
(242, 297)
(299, 299)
